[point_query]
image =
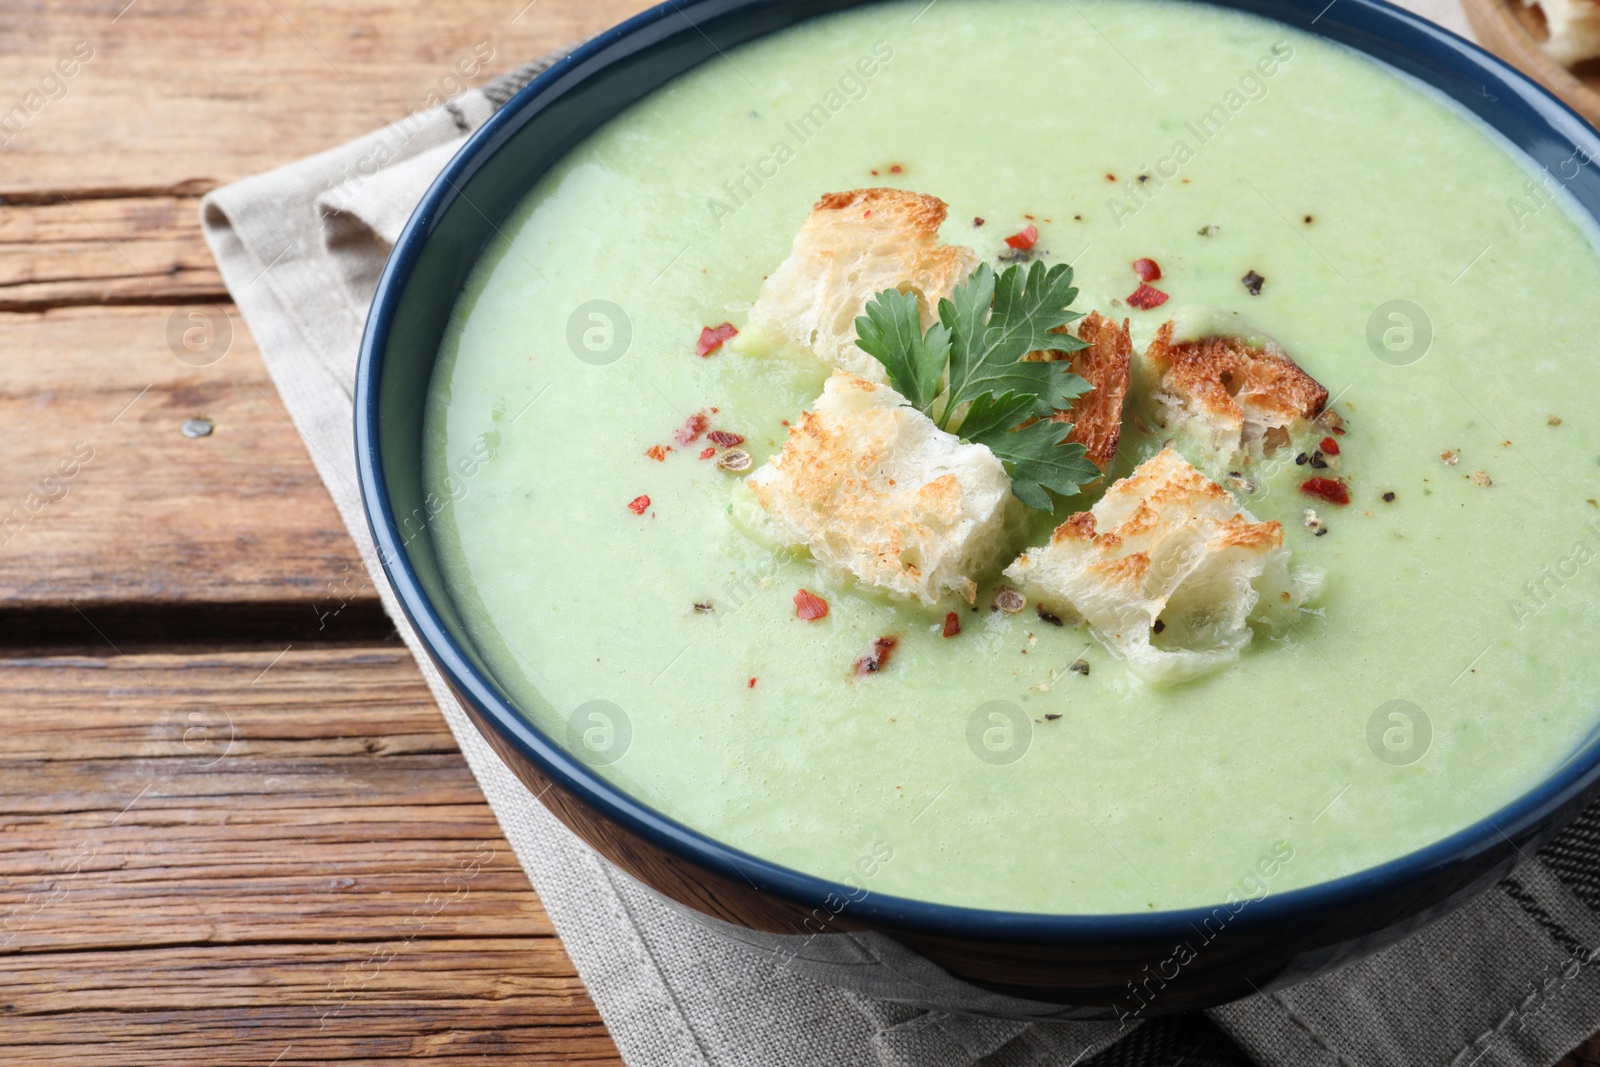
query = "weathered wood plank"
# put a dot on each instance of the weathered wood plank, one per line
(105, 501)
(172, 91)
(99, 179)
(217, 890)
(112, 250)
(214, 858)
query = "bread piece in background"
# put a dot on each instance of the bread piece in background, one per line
(1574, 29)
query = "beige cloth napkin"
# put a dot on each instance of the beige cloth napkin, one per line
(301, 249)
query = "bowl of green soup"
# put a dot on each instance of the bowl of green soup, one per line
(972, 799)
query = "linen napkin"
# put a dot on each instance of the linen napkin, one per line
(1505, 981)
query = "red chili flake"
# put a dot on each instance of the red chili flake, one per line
(751, 684)
(1145, 297)
(1338, 431)
(977, 220)
(1110, 177)
(878, 658)
(809, 606)
(698, 423)
(1148, 270)
(724, 439)
(1329, 446)
(896, 169)
(952, 624)
(707, 452)
(638, 504)
(1024, 239)
(712, 337)
(658, 452)
(1330, 489)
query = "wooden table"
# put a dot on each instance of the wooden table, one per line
(235, 827)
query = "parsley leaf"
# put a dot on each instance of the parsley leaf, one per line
(970, 363)
(1037, 460)
(995, 321)
(891, 333)
(990, 415)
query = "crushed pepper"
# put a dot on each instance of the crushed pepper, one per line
(809, 606)
(1008, 600)
(1330, 489)
(878, 658)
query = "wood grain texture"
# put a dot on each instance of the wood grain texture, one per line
(238, 854)
(184, 91)
(222, 857)
(99, 184)
(202, 863)
(1513, 31)
(148, 514)
(107, 250)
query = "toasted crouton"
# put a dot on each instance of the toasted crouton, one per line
(1239, 396)
(1574, 29)
(1168, 571)
(852, 247)
(1096, 416)
(877, 492)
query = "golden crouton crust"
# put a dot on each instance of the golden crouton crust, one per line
(941, 498)
(1080, 527)
(1105, 364)
(1222, 377)
(916, 213)
(1128, 571)
(1166, 551)
(931, 269)
(1239, 532)
(827, 464)
(833, 467)
(1167, 478)
(836, 484)
(1164, 481)
(851, 247)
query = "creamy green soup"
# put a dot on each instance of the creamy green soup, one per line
(1409, 263)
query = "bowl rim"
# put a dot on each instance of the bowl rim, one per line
(1519, 821)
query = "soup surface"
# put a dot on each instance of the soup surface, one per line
(1408, 264)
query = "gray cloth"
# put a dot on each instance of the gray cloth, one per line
(1502, 982)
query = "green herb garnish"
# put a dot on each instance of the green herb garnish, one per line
(970, 364)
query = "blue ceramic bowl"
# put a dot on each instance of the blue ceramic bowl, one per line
(1039, 965)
